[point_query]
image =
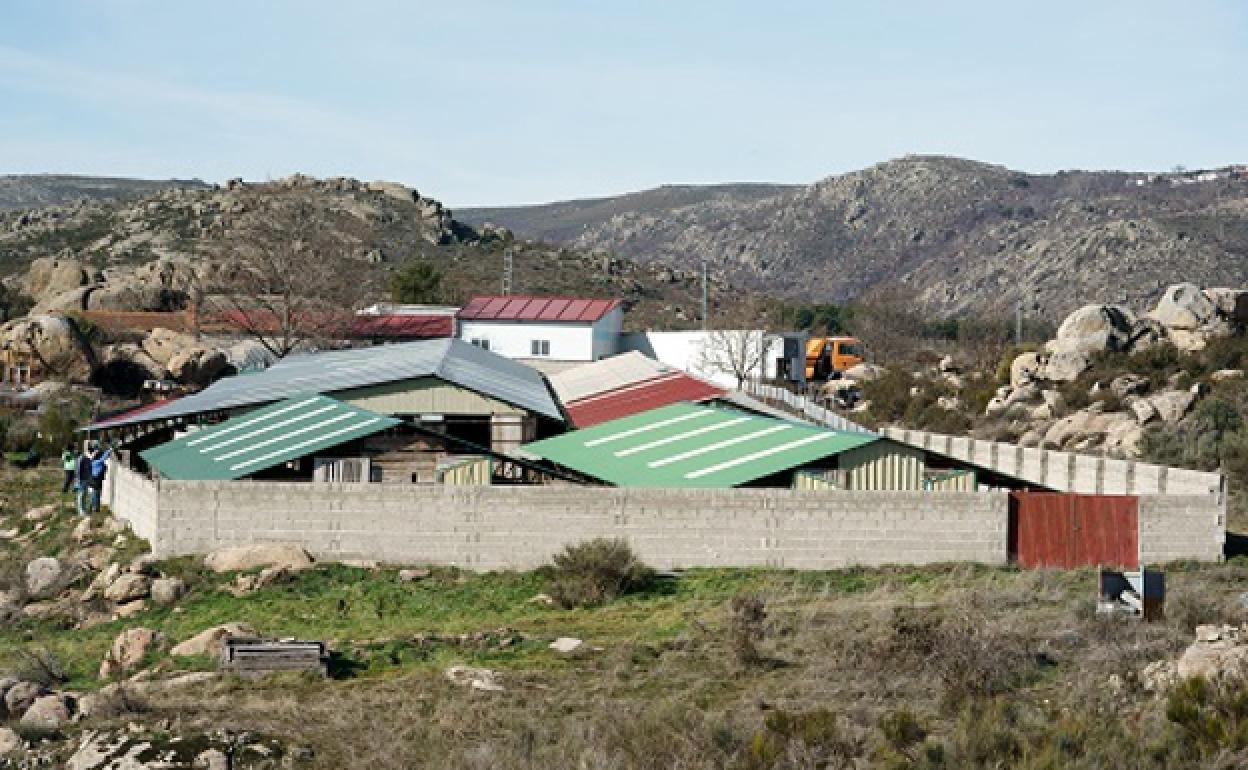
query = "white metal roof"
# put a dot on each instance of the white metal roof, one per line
(454, 361)
(606, 374)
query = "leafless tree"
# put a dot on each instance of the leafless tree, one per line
(739, 353)
(887, 320)
(286, 280)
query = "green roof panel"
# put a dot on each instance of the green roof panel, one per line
(264, 438)
(683, 445)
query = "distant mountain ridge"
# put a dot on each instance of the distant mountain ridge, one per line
(28, 191)
(565, 221)
(966, 237)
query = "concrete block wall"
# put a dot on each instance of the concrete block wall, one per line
(1066, 471)
(133, 498)
(485, 528)
(1181, 527)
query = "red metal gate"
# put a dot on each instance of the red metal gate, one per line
(1052, 529)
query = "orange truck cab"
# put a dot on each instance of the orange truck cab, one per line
(829, 357)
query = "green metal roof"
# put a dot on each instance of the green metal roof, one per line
(264, 438)
(683, 445)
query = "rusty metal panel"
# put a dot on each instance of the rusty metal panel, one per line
(1107, 530)
(1070, 530)
(1044, 525)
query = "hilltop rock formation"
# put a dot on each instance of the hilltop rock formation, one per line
(967, 238)
(176, 248)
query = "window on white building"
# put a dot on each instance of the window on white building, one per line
(481, 342)
(540, 347)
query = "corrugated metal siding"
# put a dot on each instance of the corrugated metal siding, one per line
(809, 482)
(953, 481)
(883, 465)
(424, 396)
(467, 472)
(1050, 529)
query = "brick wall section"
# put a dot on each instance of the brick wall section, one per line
(1181, 527)
(485, 528)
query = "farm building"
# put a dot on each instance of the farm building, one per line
(688, 445)
(450, 400)
(543, 328)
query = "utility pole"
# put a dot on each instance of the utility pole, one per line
(704, 296)
(507, 267)
(1018, 322)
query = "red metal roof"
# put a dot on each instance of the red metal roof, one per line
(639, 397)
(126, 414)
(520, 308)
(403, 327)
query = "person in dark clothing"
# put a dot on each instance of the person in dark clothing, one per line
(82, 482)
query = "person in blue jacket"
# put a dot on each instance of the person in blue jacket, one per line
(99, 468)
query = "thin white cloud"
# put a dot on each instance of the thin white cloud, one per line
(246, 115)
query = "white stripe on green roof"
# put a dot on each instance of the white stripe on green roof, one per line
(244, 423)
(759, 455)
(302, 444)
(288, 430)
(643, 429)
(266, 429)
(717, 446)
(669, 447)
(682, 436)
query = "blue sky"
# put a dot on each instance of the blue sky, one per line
(478, 102)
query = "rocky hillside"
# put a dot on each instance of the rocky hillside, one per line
(158, 252)
(967, 237)
(567, 221)
(28, 191)
(142, 254)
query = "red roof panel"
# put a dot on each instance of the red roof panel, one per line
(126, 414)
(494, 308)
(531, 308)
(639, 397)
(403, 327)
(574, 309)
(522, 308)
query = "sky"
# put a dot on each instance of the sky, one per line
(487, 103)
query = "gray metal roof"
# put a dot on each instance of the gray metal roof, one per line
(454, 361)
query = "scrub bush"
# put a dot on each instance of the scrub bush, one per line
(597, 571)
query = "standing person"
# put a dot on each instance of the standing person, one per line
(82, 481)
(99, 469)
(69, 464)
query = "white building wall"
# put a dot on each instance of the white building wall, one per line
(684, 350)
(568, 341)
